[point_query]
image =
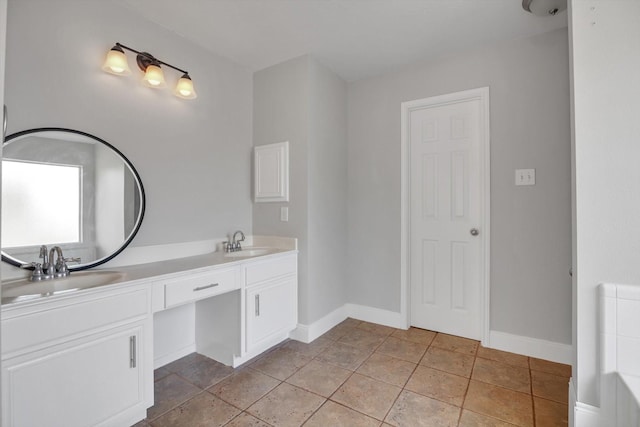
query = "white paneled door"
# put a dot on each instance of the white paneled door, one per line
(446, 216)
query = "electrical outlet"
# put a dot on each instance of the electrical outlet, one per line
(525, 177)
(284, 214)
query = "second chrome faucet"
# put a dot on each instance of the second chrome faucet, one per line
(49, 270)
(233, 244)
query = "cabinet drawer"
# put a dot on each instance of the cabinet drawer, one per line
(199, 286)
(53, 324)
(265, 270)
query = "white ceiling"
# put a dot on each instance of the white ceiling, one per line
(355, 38)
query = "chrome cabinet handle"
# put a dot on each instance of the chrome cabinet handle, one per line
(132, 351)
(202, 288)
(474, 232)
(5, 116)
(257, 305)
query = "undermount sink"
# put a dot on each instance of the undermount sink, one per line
(249, 252)
(21, 289)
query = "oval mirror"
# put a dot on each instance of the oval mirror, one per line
(67, 188)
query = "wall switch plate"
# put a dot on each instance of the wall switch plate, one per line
(284, 213)
(525, 177)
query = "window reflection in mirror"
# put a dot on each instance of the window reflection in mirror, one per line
(38, 214)
(70, 190)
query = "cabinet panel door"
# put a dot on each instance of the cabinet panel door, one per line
(271, 310)
(86, 383)
(271, 172)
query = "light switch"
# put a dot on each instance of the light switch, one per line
(284, 213)
(525, 177)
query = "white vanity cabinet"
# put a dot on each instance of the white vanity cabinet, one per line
(86, 358)
(78, 361)
(271, 299)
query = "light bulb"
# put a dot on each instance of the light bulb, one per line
(154, 77)
(184, 88)
(116, 62)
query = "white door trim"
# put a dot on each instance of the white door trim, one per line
(481, 94)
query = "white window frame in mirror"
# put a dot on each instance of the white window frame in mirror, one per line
(271, 172)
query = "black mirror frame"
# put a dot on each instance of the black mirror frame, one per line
(143, 200)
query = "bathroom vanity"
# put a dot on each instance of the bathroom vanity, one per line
(83, 357)
(80, 349)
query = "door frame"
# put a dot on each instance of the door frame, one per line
(481, 94)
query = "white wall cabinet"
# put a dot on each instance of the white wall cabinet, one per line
(271, 172)
(78, 377)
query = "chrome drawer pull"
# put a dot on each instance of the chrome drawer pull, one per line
(202, 288)
(133, 357)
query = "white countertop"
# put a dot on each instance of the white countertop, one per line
(19, 291)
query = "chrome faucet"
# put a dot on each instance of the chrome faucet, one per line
(233, 244)
(49, 270)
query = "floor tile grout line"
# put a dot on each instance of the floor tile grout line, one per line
(245, 412)
(248, 406)
(151, 420)
(314, 412)
(533, 405)
(466, 392)
(403, 388)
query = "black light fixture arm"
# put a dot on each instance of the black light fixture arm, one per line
(148, 59)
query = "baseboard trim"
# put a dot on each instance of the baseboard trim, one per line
(174, 355)
(534, 347)
(308, 333)
(582, 414)
(376, 315)
(586, 415)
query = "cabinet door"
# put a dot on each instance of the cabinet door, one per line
(271, 172)
(272, 309)
(87, 382)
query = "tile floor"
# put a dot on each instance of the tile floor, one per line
(363, 374)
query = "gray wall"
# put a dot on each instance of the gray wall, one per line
(530, 226)
(280, 113)
(193, 156)
(302, 102)
(327, 192)
(606, 108)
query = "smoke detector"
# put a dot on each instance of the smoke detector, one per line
(544, 7)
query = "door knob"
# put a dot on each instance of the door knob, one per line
(474, 232)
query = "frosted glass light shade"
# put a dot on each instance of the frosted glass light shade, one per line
(116, 62)
(544, 7)
(154, 77)
(184, 88)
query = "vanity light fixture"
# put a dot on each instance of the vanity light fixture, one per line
(544, 7)
(116, 63)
